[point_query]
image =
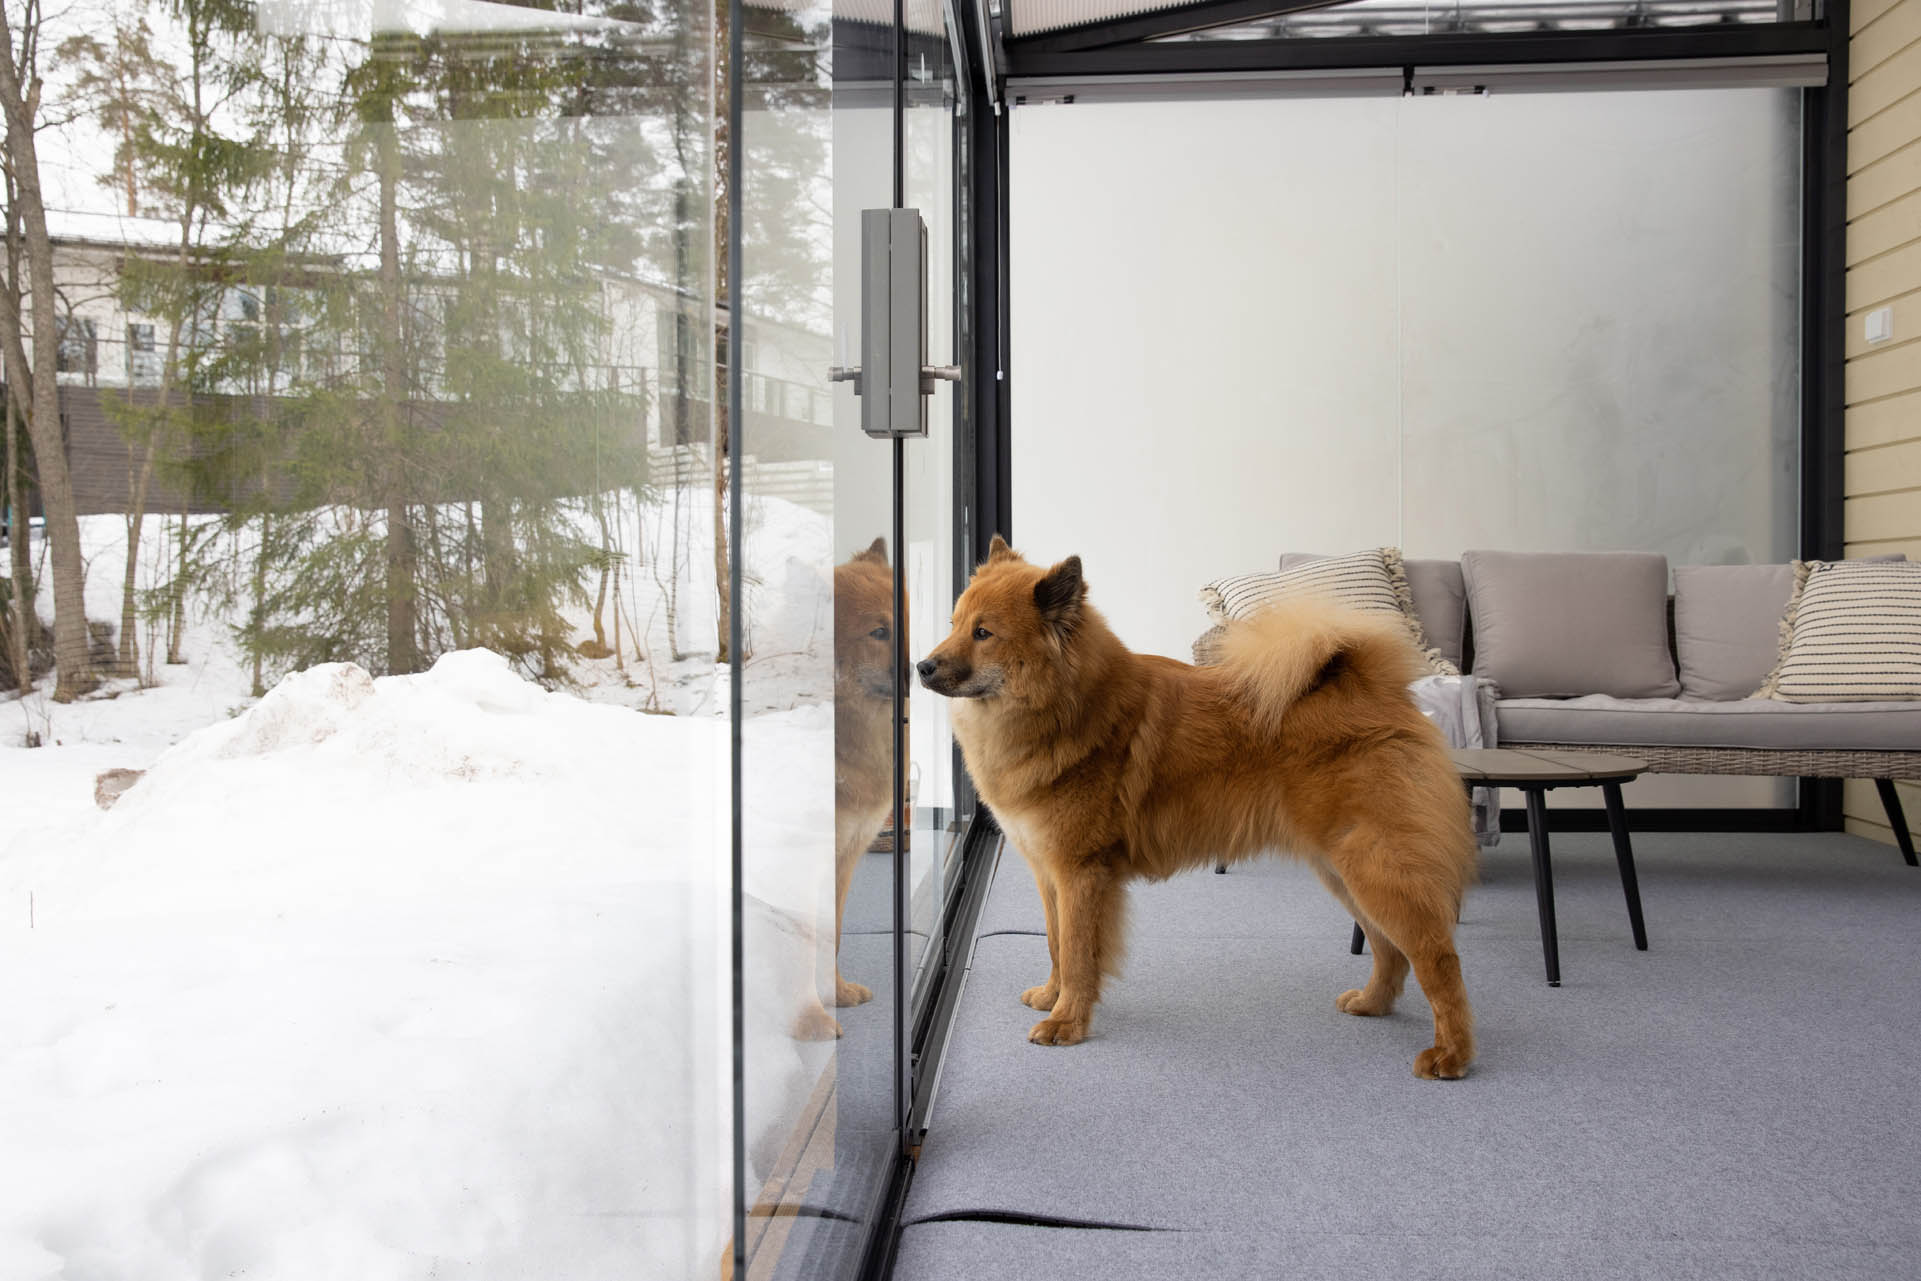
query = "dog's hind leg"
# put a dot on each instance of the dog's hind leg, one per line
(1417, 913)
(1089, 908)
(1390, 964)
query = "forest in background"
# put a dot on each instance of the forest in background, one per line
(401, 313)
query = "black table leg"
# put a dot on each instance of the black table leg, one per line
(1624, 855)
(1891, 802)
(1359, 939)
(1543, 880)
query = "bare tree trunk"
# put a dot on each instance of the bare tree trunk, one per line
(23, 621)
(402, 650)
(673, 571)
(21, 104)
(496, 557)
(129, 656)
(260, 601)
(177, 622)
(724, 614)
(600, 649)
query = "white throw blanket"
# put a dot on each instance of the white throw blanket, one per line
(1463, 708)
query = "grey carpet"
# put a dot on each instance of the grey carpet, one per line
(1742, 1089)
(994, 1252)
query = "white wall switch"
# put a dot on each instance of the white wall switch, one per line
(1880, 326)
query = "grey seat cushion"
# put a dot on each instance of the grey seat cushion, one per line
(1688, 722)
(1564, 624)
(1440, 600)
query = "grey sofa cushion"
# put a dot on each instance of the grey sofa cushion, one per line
(1678, 722)
(1727, 622)
(1440, 600)
(1563, 624)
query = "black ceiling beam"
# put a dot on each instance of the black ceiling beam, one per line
(1161, 22)
(1333, 53)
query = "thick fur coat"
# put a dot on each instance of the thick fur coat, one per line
(1103, 765)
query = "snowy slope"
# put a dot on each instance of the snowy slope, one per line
(413, 977)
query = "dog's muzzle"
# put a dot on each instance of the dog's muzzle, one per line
(941, 680)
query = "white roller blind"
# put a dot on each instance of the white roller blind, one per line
(1026, 17)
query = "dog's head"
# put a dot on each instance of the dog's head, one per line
(1012, 626)
(864, 625)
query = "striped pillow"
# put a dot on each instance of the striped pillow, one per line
(1851, 634)
(1371, 581)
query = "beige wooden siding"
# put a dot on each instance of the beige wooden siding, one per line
(1884, 270)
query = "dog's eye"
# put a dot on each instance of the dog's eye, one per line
(880, 633)
(981, 633)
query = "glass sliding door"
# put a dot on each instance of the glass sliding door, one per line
(469, 542)
(816, 668)
(843, 571)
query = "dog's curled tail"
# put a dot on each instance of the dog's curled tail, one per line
(1295, 647)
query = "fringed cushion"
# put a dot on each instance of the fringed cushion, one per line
(1851, 634)
(1372, 581)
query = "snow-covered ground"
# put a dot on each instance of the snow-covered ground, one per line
(422, 976)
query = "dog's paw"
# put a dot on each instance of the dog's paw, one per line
(846, 993)
(1043, 998)
(1354, 1001)
(1059, 1032)
(1437, 1064)
(816, 1024)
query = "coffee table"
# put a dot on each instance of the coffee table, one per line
(1534, 774)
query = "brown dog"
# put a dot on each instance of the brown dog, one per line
(863, 743)
(1103, 765)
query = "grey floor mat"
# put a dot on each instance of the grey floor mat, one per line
(1745, 1080)
(993, 1252)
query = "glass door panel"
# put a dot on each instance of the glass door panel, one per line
(844, 561)
(405, 950)
(819, 681)
(930, 96)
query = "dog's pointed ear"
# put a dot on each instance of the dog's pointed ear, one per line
(998, 550)
(1060, 593)
(876, 552)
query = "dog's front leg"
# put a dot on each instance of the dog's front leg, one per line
(1045, 995)
(1087, 916)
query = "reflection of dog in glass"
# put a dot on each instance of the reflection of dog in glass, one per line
(864, 682)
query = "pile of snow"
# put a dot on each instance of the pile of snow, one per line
(414, 977)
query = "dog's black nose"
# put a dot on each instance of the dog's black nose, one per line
(926, 667)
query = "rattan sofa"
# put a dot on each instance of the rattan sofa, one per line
(1589, 652)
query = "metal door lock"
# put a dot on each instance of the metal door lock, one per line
(893, 378)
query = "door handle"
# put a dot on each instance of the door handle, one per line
(929, 375)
